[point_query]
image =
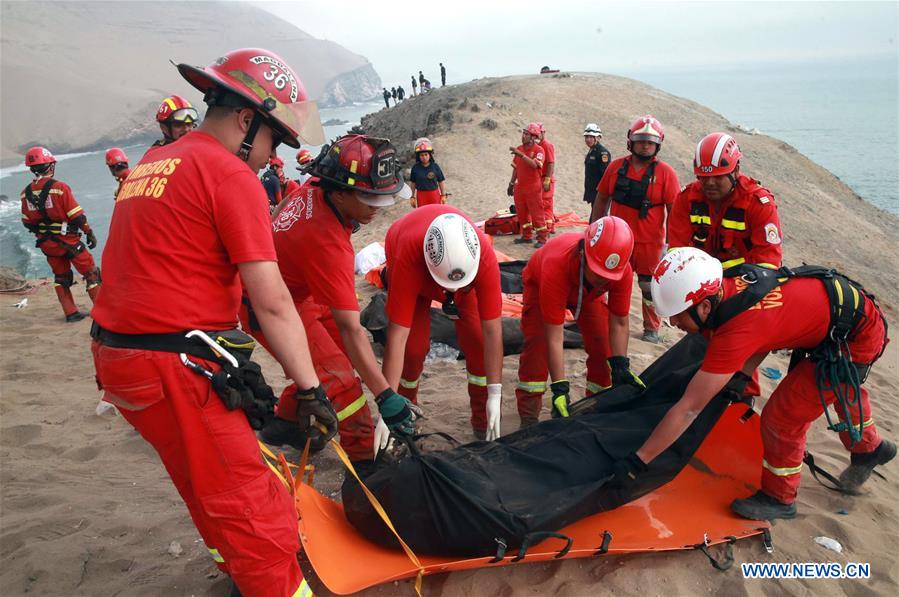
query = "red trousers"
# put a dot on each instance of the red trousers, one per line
(243, 512)
(61, 264)
(530, 210)
(549, 210)
(533, 367)
(336, 374)
(427, 197)
(645, 258)
(786, 418)
(471, 341)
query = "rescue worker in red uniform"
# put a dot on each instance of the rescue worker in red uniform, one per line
(725, 213)
(549, 180)
(526, 186)
(641, 189)
(190, 224)
(304, 158)
(689, 287)
(117, 162)
(576, 271)
(176, 117)
(436, 253)
(348, 191)
(426, 178)
(49, 210)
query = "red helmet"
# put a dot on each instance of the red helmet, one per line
(533, 129)
(646, 128)
(176, 109)
(266, 82)
(115, 156)
(424, 145)
(304, 156)
(276, 161)
(38, 156)
(608, 244)
(367, 164)
(716, 154)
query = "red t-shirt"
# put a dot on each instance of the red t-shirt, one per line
(794, 315)
(187, 215)
(524, 173)
(60, 205)
(290, 187)
(663, 188)
(407, 273)
(549, 150)
(553, 272)
(315, 253)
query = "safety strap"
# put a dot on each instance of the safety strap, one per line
(40, 201)
(833, 482)
(633, 193)
(580, 279)
(530, 539)
(604, 546)
(724, 563)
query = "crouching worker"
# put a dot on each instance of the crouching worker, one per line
(436, 253)
(575, 271)
(746, 317)
(195, 220)
(353, 180)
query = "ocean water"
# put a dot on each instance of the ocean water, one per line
(843, 116)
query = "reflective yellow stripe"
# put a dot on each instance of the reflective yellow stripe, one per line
(768, 265)
(867, 423)
(648, 302)
(732, 262)
(216, 555)
(782, 472)
(351, 408)
(171, 104)
(477, 380)
(733, 225)
(409, 384)
(304, 590)
(72, 211)
(593, 387)
(533, 387)
(694, 219)
(526, 225)
(354, 165)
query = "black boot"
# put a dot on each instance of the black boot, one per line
(279, 432)
(76, 316)
(862, 465)
(762, 506)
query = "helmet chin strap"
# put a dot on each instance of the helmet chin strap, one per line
(246, 145)
(693, 312)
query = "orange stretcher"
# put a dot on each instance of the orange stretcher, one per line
(691, 512)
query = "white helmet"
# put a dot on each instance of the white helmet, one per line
(592, 130)
(683, 278)
(452, 251)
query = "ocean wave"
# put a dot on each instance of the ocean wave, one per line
(4, 172)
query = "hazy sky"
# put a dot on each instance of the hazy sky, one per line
(489, 37)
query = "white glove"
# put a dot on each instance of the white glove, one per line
(494, 401)
(382, 436)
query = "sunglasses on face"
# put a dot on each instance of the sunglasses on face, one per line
(119, 166)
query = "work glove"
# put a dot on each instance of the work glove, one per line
(413, 202)
(560, 399)
(494, 401)
(622, 374)
(382, 436)
(91, 239)
(733, 391)
(316, 417)
(396, 411)
(510, 191)
(547, 182)
(628, 468)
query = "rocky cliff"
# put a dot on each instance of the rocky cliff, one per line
(79, 75)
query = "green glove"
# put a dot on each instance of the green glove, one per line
(395, 411)
(622, 374)
(560, 399)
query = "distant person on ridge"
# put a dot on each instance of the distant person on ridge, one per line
(50, 212)
(176, 117)
(526, 187)
(549, 180)
(421, 80)
(117, 162)
(595, 162)
(426, 178)
(386, 95)
(400, 93)
(641, 189)
(414, 86)
(393, 94)
(442, 75)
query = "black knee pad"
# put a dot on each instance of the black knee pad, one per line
(92, 278)
(645, 284)
(65, 280)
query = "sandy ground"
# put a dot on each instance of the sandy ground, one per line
(87, 509)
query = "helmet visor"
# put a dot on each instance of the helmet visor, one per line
(301, 122)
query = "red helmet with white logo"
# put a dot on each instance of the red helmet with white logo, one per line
(716, 154)
(608, 245)
(304, 156)
(38, 156)
(176, 109)
(684, 277)
(533, 129)
(646, 128)
(268, 84)
(115, 156)
(362, 163)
